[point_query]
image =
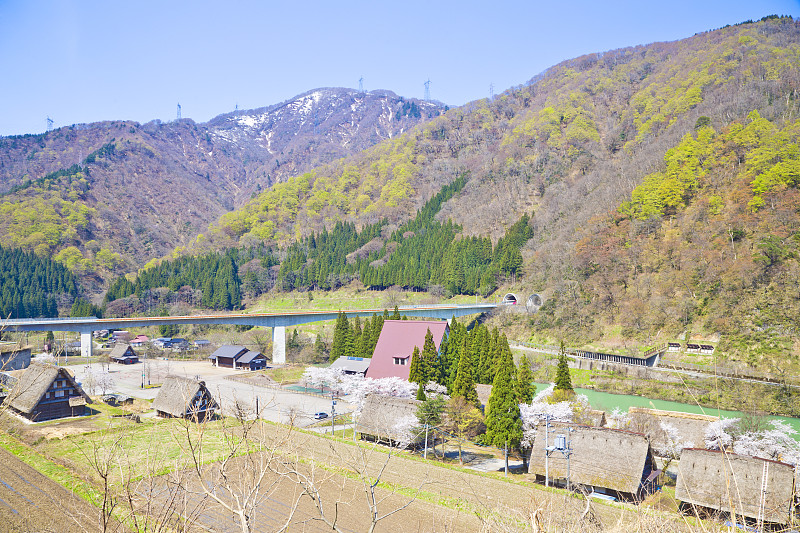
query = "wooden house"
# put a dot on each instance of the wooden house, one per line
(736, 484)
(383, 417)
(609, 461)
(123, 354)
(181, 397)
(46, 392)
(392, 357)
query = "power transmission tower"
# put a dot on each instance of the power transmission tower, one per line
(179, 111)
(49, 123)
(491, 92)
(427, 90)
(361, 84)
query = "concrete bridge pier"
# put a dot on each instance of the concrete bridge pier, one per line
(278, 344)
(86, 344)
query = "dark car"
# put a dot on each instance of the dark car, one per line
(321, 415)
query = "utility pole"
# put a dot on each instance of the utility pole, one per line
(333, 414)
(546, 453)
(563, 444)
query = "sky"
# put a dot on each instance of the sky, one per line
(83, 61)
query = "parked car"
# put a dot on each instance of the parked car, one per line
(321, 415)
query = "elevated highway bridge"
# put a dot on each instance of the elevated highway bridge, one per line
(277, 321)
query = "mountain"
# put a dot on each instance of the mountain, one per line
(584, 148)
(107, 197)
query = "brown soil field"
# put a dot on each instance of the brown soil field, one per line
(29, 501)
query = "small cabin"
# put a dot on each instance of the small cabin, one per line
(123, 354)
(352, 366)
(181, 397)
(233, 356)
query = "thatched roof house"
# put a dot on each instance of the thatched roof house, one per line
(123, 354)
(691, 427)
(14, 357)
(46, 392)
(181, 397)
(733, 483)
(611, 461)
(387, 418)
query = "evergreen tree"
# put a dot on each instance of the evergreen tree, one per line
(415, 372)
(319, 347)
(396, 314)
(464, 384)
(342, 345)
(503, 421)
(430, 359)
(525, 388)
(421, 393)
(563, 379)
(429, 414)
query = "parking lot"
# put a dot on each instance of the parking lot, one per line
(274, 403)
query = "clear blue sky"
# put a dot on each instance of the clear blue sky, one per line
(84, 60)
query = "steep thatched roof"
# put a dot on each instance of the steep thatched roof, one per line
(120, 349)
(33, 384)
(601, 457)
(182, 397)
(691, 427)
(381, 417)
(730, 482)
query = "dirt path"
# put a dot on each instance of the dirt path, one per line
(29, 501)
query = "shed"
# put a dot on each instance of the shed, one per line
(123, 354)
(610, 461)
(181, 397)
(383, 417)
(730, 483)
(352, 365)
(392, 357)
(227, 355)
(46, 392)
(251, 360)
(674, 347)
(691, 427)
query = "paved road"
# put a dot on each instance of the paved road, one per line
(276, 405)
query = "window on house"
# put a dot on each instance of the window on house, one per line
(400, 361)
(59, 393)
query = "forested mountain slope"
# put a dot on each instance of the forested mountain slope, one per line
(107, 197)
(571, 146)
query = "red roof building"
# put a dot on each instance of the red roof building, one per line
(392, 357)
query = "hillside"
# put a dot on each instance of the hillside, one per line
(108, 197)
(571, 147)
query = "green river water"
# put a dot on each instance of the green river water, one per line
(607, 402)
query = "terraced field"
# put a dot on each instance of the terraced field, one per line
(30, 501)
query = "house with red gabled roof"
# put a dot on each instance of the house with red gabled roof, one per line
(392, 357)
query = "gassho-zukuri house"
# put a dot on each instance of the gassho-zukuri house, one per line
(392, 356)
(181, 397)
(736, 484)
(383, 419)
(47, 392)
(614, 462)
(232, 356)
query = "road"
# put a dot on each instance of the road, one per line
(276, 405)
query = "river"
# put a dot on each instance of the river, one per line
(607, 402)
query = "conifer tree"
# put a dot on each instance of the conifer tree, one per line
(415, 373)
(430, 359)
(342, 345)
(396, 314)
(525, 388)
(563, 379)
(503, 421)
(421, 393)
(464, 384)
